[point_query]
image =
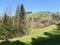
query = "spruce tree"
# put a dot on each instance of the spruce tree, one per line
(22, 21)
(16, 18)
(6, 27)
(7, 22)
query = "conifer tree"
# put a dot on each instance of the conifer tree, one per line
(6, 27)
(16, 18)
(7, 23)
(22, 21)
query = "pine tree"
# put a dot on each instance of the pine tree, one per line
(16, 22)
(7, 22)
(22, 21)
(16, 18)
(6, 27)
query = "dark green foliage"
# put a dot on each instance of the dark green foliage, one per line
(21, 22)
(7, 23)
(6, 43)
(52, 40)
(12, 43)
(18, 43)
(11, 27)
(22, 19)
(58, 26)
(24, 23)
(16, 31)
(6, 28)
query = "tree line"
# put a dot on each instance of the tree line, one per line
(17, 26)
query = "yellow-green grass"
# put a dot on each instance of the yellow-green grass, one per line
(38, 32)
(39, 14)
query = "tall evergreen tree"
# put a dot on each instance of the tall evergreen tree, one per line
(22, 21)
(6, 27)
(7, 23)
(16, 18)
(16, 22)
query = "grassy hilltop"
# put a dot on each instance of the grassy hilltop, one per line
(39, 14)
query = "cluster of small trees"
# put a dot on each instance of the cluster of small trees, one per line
(16, 27)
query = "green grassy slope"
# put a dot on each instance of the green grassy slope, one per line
(38, 32)
(39, 14)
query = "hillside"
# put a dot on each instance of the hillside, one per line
(43, 19)
(39, 14)
(38, 32)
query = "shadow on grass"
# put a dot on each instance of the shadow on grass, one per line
(12, 43)
(52, 40)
